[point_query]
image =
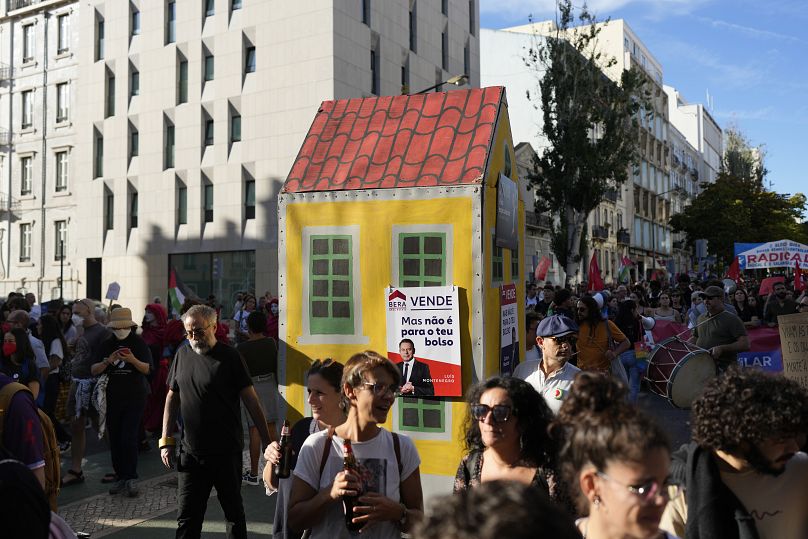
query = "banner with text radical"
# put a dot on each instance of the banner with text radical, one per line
(774, 254)
(794, 340)
(429, 317)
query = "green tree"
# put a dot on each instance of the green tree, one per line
(735, 209)
(591, 124)
(741, 159)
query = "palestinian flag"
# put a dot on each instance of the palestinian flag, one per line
(176, 292)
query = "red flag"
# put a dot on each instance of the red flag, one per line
(799, 284)
(542, 267)
(595, 281)
(734, 271)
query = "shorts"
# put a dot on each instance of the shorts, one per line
(70, 410)
(267, 389)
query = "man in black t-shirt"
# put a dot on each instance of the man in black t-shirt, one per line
(206, 382)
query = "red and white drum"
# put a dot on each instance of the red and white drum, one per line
(679, 370)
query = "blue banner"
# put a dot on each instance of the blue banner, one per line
(768, 361)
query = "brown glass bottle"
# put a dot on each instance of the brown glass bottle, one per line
(349, 502)
(283, 467)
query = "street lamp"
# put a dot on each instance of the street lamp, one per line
(457, 80)
(678, 190)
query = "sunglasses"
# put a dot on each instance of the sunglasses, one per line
(380, 390)
(196, 332)
(501, 412)
(569, 339)
(650, 490)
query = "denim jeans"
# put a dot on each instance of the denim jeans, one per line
(635, 368)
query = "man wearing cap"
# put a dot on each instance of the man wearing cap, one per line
(552, 376)
(719, 331)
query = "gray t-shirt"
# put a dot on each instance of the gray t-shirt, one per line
(87, 346)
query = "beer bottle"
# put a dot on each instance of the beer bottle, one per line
(348, 502)
(282, 468)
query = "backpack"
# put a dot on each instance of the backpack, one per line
(51, 446)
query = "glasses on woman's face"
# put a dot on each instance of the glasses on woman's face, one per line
(380, 390)
(648, 491)
(500, 412)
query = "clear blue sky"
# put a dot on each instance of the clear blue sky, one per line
(751, 56)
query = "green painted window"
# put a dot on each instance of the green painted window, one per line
(331, 309)
(421, 414)
(422, 259)
(497, 264)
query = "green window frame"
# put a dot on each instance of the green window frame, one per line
(497, 262)
(419, 414)
(422, 259)
(331, 297)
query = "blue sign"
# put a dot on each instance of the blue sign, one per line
(768, 361)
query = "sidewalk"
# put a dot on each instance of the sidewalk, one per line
(89, 508)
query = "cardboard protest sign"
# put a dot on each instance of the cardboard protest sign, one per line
(794, 341)
(429, 317)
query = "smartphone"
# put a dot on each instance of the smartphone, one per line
(124, 350)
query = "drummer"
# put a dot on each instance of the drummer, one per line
(719, 331)
(551, 375)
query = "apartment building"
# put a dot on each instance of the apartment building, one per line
(701, 130)
(186, 116)
(39, 41)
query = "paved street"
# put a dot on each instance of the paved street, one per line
(89, 508)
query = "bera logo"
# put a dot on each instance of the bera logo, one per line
(397, 301)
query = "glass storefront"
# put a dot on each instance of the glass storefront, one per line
(223, 274)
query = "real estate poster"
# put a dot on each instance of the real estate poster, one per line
(509, 330)
(429, 317)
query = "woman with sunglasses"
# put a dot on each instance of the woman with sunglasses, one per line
(388, 487)
(616, 460)
(323, 382)
(506, 437)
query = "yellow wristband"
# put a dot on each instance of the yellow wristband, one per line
(168, 441)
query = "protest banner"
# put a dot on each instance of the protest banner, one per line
(774, 254)
(509, 334)
(794, 341)
(429, 317)
(771, 361)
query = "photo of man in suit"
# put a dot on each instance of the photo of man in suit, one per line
(415, 378)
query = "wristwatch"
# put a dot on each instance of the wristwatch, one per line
(405, 513)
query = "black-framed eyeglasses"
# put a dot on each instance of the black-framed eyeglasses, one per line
(500, 412)
(649, 490)
(196, 332)
(570, 339)
(379, 389)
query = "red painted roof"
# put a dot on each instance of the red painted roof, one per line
(398, 141)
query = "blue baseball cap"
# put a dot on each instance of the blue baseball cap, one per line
(556, 325)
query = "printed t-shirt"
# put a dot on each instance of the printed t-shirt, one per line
(377, 460)
(209, 388)
(592, 345)
(126, 383)
(22, 432)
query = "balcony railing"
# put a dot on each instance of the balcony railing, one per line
(6, 137)
(610, 195)
(6, 72)
(19, 4)
(623, 237)
(600, 232)
(8, 203)
(534, 220)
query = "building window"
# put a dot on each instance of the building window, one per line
(134, 142)
(26, 175)
(413, 37)
(28, 43)
(444, 49)
(110, 96)
(171, 22)
(99, 156)
(249, 62)
(366, 11)
(27, 109)
(422, 259)
(208, 67)
(62, 170)
(109, 211)
(168, 150)
(444, 7)
(134, 83)
(472, 23)
(405, 78)
(331, 285)
(60, 239)
(182, 82)
(515, 265)
(133, 209)
(235, 128)
(467, 59)
(497, 265)
(210, 7)
(209, 132)
(235, 4)
(62, 102)
(182, 205)
(62, 33)
(249, 199)
(207, 201)
(135, 22)
(421, 415)
(25, 242)
(99, 40)
(374, 72)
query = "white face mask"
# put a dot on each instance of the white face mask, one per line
(77, 320)
(121, 334)
(148, 317)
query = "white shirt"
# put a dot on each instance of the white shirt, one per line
(56, 350)
(407, 375)
(553, 388)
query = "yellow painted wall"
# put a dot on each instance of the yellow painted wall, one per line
(376, 219)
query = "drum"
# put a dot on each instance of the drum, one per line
(679, 370)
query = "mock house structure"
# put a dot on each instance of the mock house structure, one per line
(399, 191)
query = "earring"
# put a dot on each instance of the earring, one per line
(596, 501)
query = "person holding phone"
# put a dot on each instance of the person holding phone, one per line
(127, 361)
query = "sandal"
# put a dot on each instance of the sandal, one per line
(111, 477)
(78, 477)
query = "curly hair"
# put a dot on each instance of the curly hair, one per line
(596, 425)
(593, 311)
(493, 510)
(748, 406)
(532, 414)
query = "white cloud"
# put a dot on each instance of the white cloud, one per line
(518, 10)
(750, 31)
(763, 113)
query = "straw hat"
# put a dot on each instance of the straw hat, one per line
(121, 319)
